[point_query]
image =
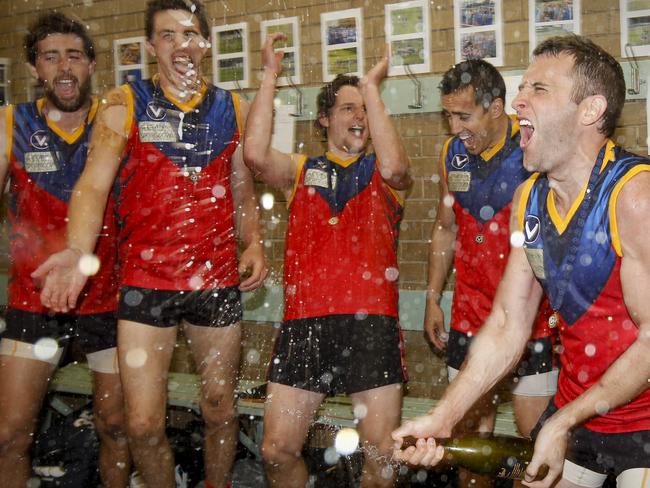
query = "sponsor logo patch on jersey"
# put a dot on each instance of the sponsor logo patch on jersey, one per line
(459, 161)
(40, 162)
(316, 177)
(40, 140)
(156, 132)
(532, 227)
(459, 181)
(154, 112)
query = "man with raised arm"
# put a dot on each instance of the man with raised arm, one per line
(43, 146)
(480, 169)
(170, 147)
(575, 238)
(340, 332)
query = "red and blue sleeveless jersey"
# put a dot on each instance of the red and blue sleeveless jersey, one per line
(577, 260)
(174, 201)
(44, 164)
(340, 255)
(483, 187)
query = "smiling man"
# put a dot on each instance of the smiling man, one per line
(43, 156)
(170, 148)
(480, 168)
(340, 332)
(577, 240)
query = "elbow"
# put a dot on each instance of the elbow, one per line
(397, 175)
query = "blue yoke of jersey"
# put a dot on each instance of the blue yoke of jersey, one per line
(343, 182)
(198, 139)
(493, 182)
(32, 135)
(585, 278)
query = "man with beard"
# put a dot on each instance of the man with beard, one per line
(576, 238)
(173, 144)
(480, 168)
(43, 155)
(341, 331)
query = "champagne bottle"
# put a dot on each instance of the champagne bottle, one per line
(492, 455)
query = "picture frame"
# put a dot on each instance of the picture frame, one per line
(478, 30)
(5, 67)
(130, 59)
(230, 56)
(408, 33)
(291, 62)
(342, 43)
(635, 28)
(549, 18)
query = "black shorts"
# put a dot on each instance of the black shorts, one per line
(608, 454)
(338, 354)
(217, 307)
(538, 358)
(94, 332)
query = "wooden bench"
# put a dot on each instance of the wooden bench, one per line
(183, 391)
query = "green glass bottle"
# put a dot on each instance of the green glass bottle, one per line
(492, 455)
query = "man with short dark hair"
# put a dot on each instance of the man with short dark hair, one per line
(172, 142)
(480, 169)
(43, 157)
(340, 332)
(575, 238)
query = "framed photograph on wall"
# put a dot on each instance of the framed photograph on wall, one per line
(130, 59)
(550, 18)
(291, 47)
(5, 96)
(478, 30)
(635, 27)
(408, 35)
(342, 43)
(230, 59)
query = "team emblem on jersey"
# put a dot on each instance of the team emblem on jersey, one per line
(459, 161)
(154, 112)
(532, 227)
(40, 140)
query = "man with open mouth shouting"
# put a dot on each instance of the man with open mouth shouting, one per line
(480, 169)
(43, 157)
(340, 331)
(576, 239)
(170, 147)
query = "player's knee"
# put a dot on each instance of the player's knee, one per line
(110, 425)
(278, 452)
(218, 409)
(149, 429)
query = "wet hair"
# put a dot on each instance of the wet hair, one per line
(327, 98)
(595, 72)
(484, 78)
(55, 23)
(192, 6)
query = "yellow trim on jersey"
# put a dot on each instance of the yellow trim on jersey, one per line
(296, 180)
(69, 138)
(443, 157)
(94, 106)
(523, 200)
(192, 103)
(9, 128)
(489, 153)
(342, 162)
(562, 223)
(236, 101)
(613, 225)
(130, 109)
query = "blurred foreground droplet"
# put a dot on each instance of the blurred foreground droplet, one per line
(347, 441)
(267, 200)
(45, 348)
(135, 358)
(89, 264)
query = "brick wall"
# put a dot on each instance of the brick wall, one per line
(423, 134)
